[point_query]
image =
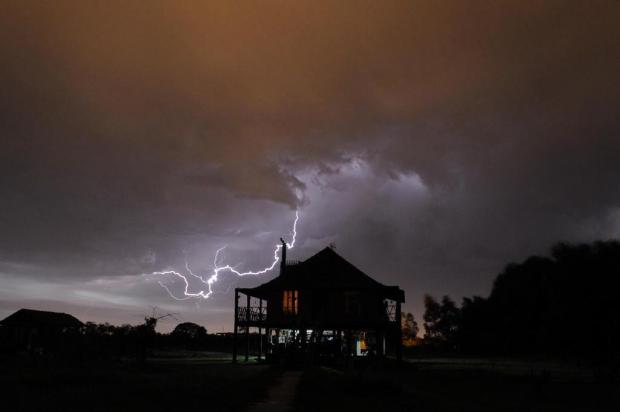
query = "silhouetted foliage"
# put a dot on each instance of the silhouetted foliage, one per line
(475, 332)
(441, 321)
(189, 330)
(432, 310)
(105, 341)
(410, 326)
(563, 305)
(189, 335)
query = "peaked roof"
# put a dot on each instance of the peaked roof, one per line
(31, 317)
(326, 270)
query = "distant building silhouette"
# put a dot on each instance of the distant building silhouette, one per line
(321, 307)
(37, 330)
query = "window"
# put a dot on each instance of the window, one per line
(290, 302)
(352, 303)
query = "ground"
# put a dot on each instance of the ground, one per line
(208, 381)
(458, 385)
(202, 382)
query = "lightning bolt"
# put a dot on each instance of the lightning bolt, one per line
(217, 269)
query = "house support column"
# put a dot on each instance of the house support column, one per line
(399, 332)
(260, 329)
(234, 348)
(380, 343)
(268, 346)
(348, 336)
(247, 328)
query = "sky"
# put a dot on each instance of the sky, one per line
(430, 142)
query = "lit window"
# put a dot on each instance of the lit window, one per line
(290, 302)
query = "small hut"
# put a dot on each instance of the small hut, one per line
(38, 330)
(323, 306)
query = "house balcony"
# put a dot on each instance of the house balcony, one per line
(253, 316)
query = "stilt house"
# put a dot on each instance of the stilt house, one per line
(322, 306)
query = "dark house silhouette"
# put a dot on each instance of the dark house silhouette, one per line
(37, 330)
(323, 306)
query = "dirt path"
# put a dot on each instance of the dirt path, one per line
(281, 395)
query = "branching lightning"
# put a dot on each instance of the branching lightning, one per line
(217, 269)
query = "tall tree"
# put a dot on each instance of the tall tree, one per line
(432, 317)
(441, 321)
(450, 317)
(410, 326)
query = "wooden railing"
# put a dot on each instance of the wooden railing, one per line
(390, 310)
(255, 314)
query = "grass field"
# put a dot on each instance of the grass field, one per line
(161, 385)
(208, 381)
(457, 385)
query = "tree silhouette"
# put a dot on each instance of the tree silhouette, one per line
(441, 321)
(432, 316)
(188, 331)
(449, 320)
(410, 326)
(563, 305)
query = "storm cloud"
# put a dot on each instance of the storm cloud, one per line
(432, 142)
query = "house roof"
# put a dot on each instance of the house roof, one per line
(38, 318)
(325, 270)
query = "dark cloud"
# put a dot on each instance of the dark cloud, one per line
(431, 141)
